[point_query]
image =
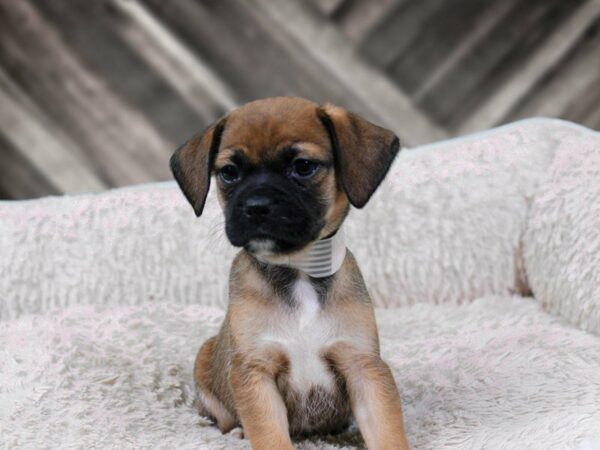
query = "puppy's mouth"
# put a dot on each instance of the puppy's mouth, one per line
(267, 245)
(261, 246)
(273, 218)
(270, 247)
(271, 240)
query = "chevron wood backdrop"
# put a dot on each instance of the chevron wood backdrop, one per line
(98, 94)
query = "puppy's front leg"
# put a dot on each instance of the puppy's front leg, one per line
(260, 406)
(373, 395)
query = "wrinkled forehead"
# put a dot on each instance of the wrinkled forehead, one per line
(264, 130)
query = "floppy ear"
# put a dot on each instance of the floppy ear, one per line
(192, 164)
(363, 151)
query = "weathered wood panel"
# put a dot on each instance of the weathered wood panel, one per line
(467, 64)
(572, 88)
(19, 179)
(329, 8)
(251, 53)
(355, 18)
(559, 43)
(120, 141)
(191, 77)
(386, 103)
(394, 34)
(41, 145)
(494, 58)
(439, 34)
(112, 86)
(95, 32)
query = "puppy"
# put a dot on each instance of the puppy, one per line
(298, 351)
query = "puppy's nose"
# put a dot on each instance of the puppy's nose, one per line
(257, 207)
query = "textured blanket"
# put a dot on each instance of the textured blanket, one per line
(496, 373)
(485, 250)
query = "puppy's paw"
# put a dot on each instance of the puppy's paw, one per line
(237, 432)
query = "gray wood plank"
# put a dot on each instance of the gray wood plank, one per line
(191, 77)
(485, 22)
(19, 180)
(575, 77)
(96, 34)
(498, 57)
(328, 8)
(543, 60)
(255, 51)
(98, 93)
(359, 17)
(437, 38)
(41, 143)
(396, 31)
(592, 119)
(123, 145)
(249, 53)
(584, 104)
(389, 105)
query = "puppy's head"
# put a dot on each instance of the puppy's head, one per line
(286, 170)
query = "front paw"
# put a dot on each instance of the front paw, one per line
(237, 432)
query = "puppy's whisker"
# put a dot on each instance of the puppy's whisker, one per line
(215, 239)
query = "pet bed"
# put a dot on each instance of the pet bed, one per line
(481, 253)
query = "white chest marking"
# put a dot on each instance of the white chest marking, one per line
(303, 333)
(308, 303)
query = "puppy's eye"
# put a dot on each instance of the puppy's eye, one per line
(303, 168)
(229, 173)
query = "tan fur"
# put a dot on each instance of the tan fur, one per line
(258, 374)
(209, 400)
(265, 127)
(258, 400)
(373, 394)
(246, 373)
(364, 151)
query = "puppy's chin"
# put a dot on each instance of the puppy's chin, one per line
(274, 252)
(271, 239)
(272, 248)
(261, 247)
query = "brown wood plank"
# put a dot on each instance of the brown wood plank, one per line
(119, 140)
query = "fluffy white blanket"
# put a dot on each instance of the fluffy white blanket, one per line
(104, 300)
(495, 373)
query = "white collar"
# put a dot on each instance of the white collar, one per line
(321, 259)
